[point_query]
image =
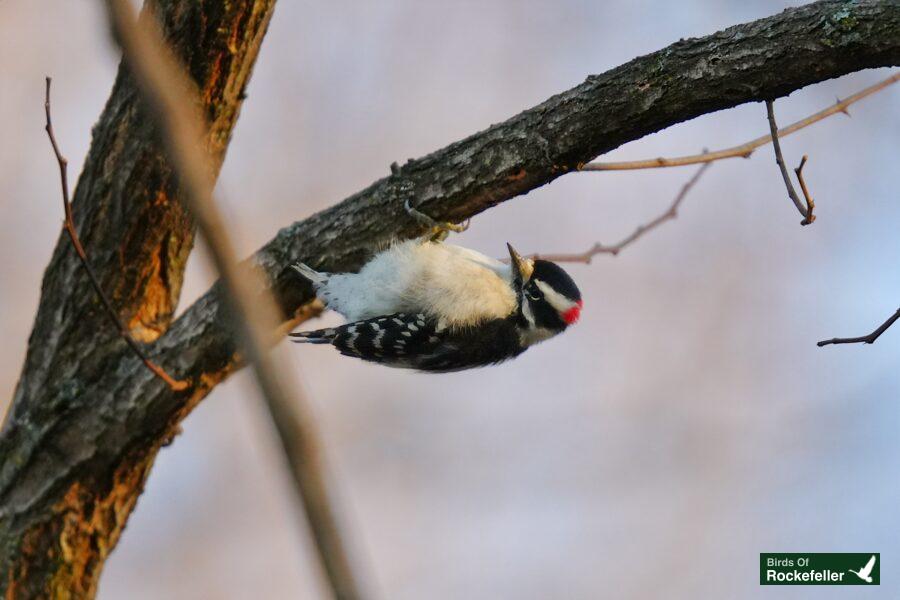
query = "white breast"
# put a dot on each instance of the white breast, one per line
(457, 285)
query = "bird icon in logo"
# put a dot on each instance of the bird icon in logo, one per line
(866, 572)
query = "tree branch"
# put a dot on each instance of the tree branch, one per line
(71, 463)
(598, 248)
(171, 97)
(810, 204)
(746, 149)
(865, 339)
(805, 212)
(69, 225)
(126, 210)
(125, 206)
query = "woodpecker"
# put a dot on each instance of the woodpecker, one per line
(426, 305)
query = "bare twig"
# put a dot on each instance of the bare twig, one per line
(810, 204)
(743, 150)
(865, 339)
(69, 224)
(598, 248)
(792, 193)
(172, 99)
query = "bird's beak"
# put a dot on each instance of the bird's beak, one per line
(522, 267)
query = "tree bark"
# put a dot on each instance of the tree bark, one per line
(88, 418)
(138, 236)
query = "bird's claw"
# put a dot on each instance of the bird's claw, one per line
(439, 229)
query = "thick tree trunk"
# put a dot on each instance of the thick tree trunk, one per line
(138, 235)
(88, 418)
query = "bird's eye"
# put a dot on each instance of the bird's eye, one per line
(533, 294)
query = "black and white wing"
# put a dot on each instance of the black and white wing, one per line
(396, 339)
(414, 341)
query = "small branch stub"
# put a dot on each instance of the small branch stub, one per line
(810, 204)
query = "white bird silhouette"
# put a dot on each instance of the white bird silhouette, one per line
(866, 572)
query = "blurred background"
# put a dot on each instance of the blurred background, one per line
(688, 423)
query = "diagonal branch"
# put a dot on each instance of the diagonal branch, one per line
(598, 248)
(168, 92)
(69, 224)
(746, 149)
(865, 339)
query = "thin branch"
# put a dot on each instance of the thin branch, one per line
(172, 99)
(743, 150)
(779, 159)
(69, 224)
(810, 204)
(865, 339)
(598, 248)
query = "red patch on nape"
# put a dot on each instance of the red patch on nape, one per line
(571, 315)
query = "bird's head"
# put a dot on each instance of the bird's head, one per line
(548, 299)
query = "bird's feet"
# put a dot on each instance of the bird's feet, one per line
(439, 230)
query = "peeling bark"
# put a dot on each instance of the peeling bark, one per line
(88, 419)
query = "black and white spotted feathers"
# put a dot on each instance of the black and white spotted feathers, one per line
(388, 337)
(413, 341)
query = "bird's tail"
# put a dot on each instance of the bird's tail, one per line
(314, 276)
(319, 336)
